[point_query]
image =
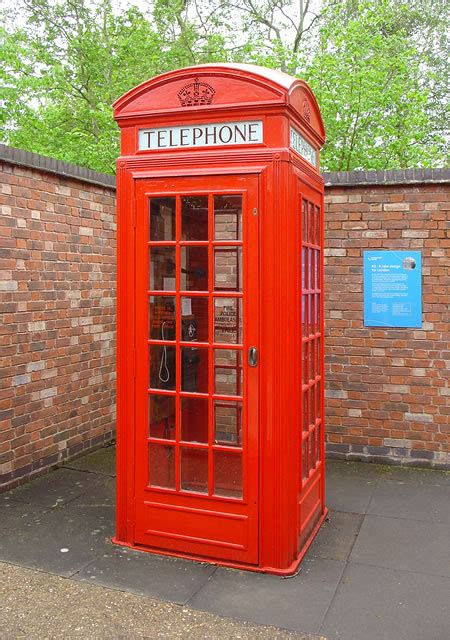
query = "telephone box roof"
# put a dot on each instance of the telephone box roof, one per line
(223, 86)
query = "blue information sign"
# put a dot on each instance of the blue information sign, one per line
(392, 288)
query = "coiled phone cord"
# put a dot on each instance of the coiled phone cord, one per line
(164, 373)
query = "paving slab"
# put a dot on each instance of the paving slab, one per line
(38, 605)
(60, 541)
(15, 515)
(410, 545)
(414, 495)
(377, 603)
(336, 536)
(101, 461)
(55, 489)
(350, 488)
(147, 574)
(298, 603)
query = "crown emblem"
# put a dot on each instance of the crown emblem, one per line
(196, 93)
(306, 111)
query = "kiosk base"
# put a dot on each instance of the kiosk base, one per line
(287, 572)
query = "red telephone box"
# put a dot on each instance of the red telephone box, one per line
(220, 317)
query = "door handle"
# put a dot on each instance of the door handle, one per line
(253, 356)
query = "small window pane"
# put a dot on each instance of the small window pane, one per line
(228, 269)
(318, 443)
(228, 217)
(161, 411)
(318, 399)
(161, 463)
(228, 372)
(305, 459)
(162, 317)
(305, 410)
(228, 423)
(162, 367)
(194, 370)
(194, 419)
(194, 470)
(194, 319)
(317, 225)
(194, 268)
(162, 268)
(162, 219)
(311, 225)
(194, 218)
(228, 320)
(304, 220)
(312, 451)
(305, 362)
(228, 474)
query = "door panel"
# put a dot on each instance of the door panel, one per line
(196, 477)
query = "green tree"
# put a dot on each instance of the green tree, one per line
(63, 70)
(370, 78)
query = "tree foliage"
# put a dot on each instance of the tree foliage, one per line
(377, 67)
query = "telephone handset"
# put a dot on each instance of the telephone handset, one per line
(190, 358)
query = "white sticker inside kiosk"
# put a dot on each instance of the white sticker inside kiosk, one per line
(214, 134)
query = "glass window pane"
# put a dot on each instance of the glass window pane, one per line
(305, 459)
(305, 410)
(161, 465)
(317, 225)
(162, 219)
(162, 367)
(228, 372)
(228, 474)
(318, 443)
(194, 419)
(161, 416)
(312, 451)
(194, 470)
(228, 269)
(318, 400)
(318, 356)
(311, 217)
(194, 218)
(194, 268)
(305, 314)
(305, 362)
(162, 268)
(304, 220)
(162, 317)
(304, 267)
(194, 369)
(228, 423)
(228, 217)
(228, 320)
(194, 319)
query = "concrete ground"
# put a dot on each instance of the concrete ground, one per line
(379, 568)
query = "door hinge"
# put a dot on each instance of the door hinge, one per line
(255, 211)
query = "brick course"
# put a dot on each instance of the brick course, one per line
(387, 396)
(57, 288)
(387, 389)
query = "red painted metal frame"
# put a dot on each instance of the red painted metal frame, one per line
(290, 512)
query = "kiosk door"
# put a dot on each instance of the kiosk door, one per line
(196, 443)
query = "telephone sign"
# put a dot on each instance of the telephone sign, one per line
(202, 135)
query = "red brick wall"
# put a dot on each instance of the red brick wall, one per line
(57, 288)
(387, 392)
